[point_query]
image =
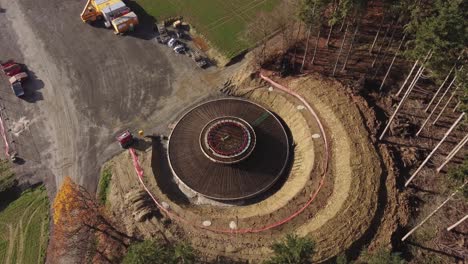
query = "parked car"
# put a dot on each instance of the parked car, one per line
(202, 63)
(172, 42)
(179, 49)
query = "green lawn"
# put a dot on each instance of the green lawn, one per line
(24, 228)
(222, 22)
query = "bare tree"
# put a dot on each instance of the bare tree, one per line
(306, 47)
(434, 150)
(457, 223)
(445, 106)
(405, 96)
(258, 31)
(350, 47)
(376, 35)
(453, 152)
(407, 78)
(438, 90)
(393, 61)
(433, 212)
(341, 49)
(316, 45)
(435, 108)
(383, 43)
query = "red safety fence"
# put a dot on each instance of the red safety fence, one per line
(176, 217)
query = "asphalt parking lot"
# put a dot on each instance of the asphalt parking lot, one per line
(86, 85)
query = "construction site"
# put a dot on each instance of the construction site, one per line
(309, 185)
(174, 141)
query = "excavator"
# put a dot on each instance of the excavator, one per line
(114, 12)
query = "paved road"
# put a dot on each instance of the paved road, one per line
(87, 85)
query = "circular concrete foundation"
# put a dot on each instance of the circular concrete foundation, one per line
(228, 149)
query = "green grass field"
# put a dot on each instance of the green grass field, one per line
(222, 22)
(24, 228)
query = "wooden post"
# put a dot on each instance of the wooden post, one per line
(407, 78)
(454, 152)
(457, 223)
(434, 150)
(341, 49)
(435, 107)
(432, 213)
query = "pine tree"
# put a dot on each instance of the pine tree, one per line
(292, 250)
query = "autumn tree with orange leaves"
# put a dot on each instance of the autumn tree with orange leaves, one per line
(77, 218)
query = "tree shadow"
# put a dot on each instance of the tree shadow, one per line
(145, 28)
(141, 144)
(433, 250)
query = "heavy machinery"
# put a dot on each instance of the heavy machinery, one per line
(114, 12)
(17, 75)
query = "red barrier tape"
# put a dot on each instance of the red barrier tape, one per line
(2, 131)
(172, 215)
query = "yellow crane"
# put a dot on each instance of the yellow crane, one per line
(114, 12)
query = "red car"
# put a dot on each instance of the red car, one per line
(12, 70)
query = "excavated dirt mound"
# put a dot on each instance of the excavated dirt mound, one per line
(356, 203)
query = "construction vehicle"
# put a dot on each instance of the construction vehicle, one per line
(114, 12)
(17, 75)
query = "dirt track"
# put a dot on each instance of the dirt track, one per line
(87, 85)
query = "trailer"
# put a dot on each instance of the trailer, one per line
(114, 12)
